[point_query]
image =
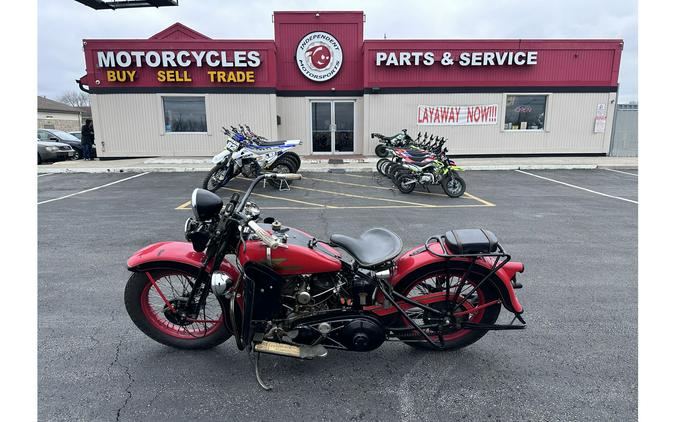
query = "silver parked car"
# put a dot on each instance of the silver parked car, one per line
(53, 151)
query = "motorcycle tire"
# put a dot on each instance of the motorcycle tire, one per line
(160, 326)
(398, 172)
(380, 164)
(406, 182)
(295, 158)
(281, 165)
(381, 150)
(211, 183)
(384, 166)
(393, 169)
(453, 186)
(485, 292)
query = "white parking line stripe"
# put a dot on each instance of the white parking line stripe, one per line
(577, 187)
(622, 172)
(92, 189)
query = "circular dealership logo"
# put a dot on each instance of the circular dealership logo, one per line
(319, 56)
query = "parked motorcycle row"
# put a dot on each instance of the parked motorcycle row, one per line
(420, 162)
(278, 290)
(250, 155)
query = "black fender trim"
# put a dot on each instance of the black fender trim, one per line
(165, 265)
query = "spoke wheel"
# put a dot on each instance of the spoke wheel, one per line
(454, 186)
(380, 164)
(406, 182)
(460, 303)
(281, 166)
(215, 179)
(161, 310)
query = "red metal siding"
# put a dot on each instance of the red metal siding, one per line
(347, 27)
(559, 63)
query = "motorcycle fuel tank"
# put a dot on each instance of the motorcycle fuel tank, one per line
(298, 258)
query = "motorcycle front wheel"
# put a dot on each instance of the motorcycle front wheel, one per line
(159, 310)
(381, 151)
(453, 185)
(216, 178)
(380, 165)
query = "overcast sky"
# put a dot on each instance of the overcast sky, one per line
(62, 24)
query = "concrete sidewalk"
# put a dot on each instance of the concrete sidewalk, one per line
(364, 164)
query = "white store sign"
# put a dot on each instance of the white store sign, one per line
(466, 58)
(456, 115)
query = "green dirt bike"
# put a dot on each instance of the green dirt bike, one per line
(408, 170)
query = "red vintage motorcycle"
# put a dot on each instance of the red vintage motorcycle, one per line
(281, 291)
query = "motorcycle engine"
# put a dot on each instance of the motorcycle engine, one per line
(427, 178)
(305, 295)
(250, 169)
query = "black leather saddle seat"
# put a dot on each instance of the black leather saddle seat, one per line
(471, 241)
(372, 248)
(266, 143)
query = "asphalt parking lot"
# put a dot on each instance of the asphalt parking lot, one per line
(575, 230)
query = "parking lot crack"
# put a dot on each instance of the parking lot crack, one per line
(125, 368)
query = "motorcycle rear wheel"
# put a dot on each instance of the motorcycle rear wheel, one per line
(145, 305)
(406, 182)
(282, 165)
(423, 282)
(294, 158)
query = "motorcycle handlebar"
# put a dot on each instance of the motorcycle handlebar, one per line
(265, 237)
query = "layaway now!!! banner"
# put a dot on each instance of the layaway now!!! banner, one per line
(457, 115)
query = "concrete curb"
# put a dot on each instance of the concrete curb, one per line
(337, 168)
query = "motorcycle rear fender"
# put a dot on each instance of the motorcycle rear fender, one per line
(411, 261)
(173, 255)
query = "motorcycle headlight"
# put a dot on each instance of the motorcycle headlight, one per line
(205, 204)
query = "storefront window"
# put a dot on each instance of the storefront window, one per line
(184, 114)
(525, 112)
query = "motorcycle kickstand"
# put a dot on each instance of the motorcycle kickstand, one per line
(256, 364)
(283, 182)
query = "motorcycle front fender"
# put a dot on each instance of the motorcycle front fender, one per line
(412, 260)
(173, 255)
(221, 157)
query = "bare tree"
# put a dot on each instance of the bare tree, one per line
(75, 98)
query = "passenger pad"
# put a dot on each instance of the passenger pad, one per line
(471, 241)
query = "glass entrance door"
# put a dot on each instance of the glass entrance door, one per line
(332, 127)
